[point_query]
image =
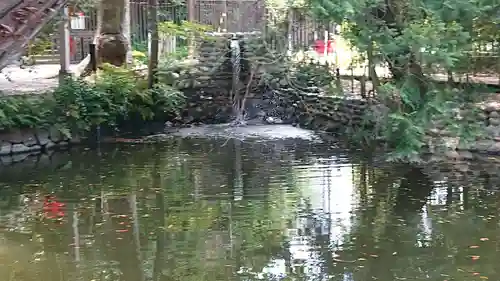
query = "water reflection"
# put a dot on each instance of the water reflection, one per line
(232, 210)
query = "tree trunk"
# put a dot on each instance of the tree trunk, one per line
(113, 32)
(154, 45)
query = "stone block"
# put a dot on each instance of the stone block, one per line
(494, 121)
(21, 148)
(5, 148)
(492, 106)
(494, 148)
(494, 114)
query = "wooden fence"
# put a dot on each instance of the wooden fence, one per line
(228, 15)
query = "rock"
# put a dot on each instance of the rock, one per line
(492, 106)
(493, 131)
(494, 114)
(482, 116)
(483, 145)
(157, 138)
(273, 120)
(494, 121)
(494, 148)
(466, 155)
(461, 167)
(451, 142)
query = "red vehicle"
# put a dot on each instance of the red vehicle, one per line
(72, 46)
(52, 209)
(319, 47)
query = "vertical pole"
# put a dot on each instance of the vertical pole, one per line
(64, 49)
(191, 18)
(325, 50)
(93, 57)
(82, 49)
(224, 16)
(290, 31)
(126, 31)
(154, 43)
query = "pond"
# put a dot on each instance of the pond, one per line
(225, 209)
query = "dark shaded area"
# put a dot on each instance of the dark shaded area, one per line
(413, 191)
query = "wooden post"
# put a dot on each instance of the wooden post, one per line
(223, 17)
(290, 31)
(325, 50)
(191, 18)
(64, 48)
(127, 32)
(154, 43)
(93, 57)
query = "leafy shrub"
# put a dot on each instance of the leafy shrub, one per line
(23, 112)
(139, 57)
(76, 106)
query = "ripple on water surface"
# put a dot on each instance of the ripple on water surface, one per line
(218, 209)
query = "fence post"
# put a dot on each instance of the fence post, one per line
(93, 57)
(191, 18)
(64, 54)
(290, 31)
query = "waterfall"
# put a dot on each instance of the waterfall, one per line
(236, 69)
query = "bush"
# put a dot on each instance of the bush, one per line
(77, 106)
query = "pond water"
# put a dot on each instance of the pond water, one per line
(214, 210)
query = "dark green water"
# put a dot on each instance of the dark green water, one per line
(197, 210)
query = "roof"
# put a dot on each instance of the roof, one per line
(20, 21)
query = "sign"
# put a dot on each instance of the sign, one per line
(77, 21)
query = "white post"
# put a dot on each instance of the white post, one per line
(325, 50)
(335, 42)
(149, 44)
(64, 48)
(290, 30)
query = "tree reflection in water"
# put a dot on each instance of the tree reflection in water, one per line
(217, 210)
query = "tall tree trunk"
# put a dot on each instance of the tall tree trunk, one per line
(154, 46)
(113, 32)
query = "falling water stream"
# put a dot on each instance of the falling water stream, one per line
(236, 70)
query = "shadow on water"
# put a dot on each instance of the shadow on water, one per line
(212, 210)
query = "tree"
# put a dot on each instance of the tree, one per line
(113, 32)
(416, 39)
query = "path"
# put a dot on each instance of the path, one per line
(35, 79)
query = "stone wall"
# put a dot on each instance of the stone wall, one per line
(30, 141)
(207, 80)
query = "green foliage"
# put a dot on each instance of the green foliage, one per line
(185, 30)
(416, 39)
(310, 73)
(76, 105)
(23, 112)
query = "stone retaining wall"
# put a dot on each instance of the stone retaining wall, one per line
(30, 141)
